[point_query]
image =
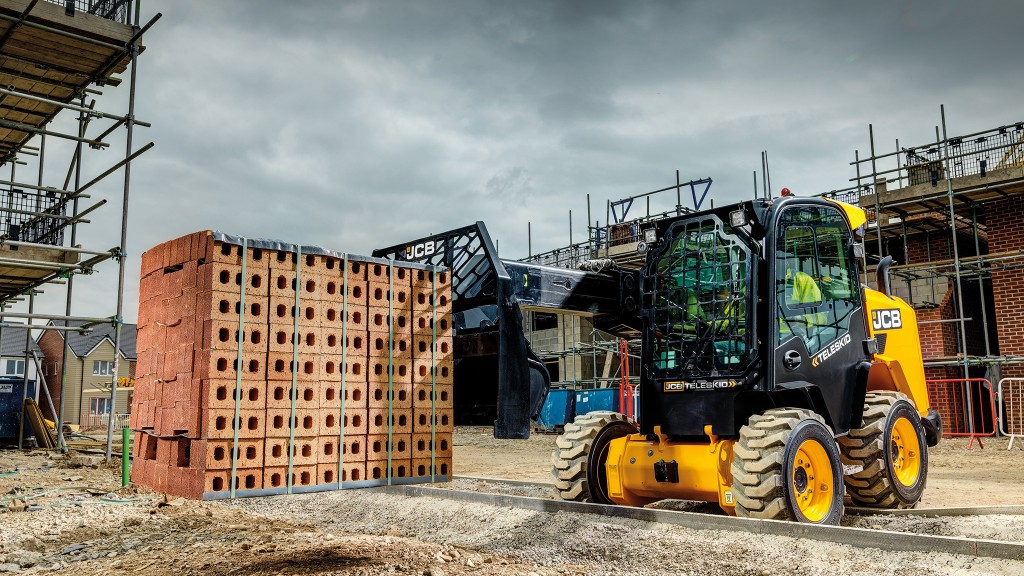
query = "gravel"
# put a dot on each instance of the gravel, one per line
(598, 545)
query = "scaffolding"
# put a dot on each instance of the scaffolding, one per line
(940, 190)
(55, 56)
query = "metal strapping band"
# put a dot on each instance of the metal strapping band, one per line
(236, 422)
(344, 370)
(391, 363)
(433, 373)
(295, 365)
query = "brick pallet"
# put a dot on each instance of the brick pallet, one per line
(268, 368)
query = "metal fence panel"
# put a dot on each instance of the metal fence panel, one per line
(1011, 408)
(967, 407)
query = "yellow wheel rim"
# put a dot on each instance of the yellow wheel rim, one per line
(812, 480)
(905, 452)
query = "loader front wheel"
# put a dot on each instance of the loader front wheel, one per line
(581, 452)
(889, 452)
(786, 467)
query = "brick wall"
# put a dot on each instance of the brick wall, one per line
(1005, 220)
(52, 346)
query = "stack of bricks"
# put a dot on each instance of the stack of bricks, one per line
(371, 365)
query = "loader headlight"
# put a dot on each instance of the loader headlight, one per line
(738, 218)
(650, 236)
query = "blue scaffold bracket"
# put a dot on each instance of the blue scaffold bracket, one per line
(703, 195)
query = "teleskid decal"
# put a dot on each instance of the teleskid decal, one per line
(831, 349)
(681, 385)
(887, 319)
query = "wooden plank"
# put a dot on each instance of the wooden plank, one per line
(81, 23)
(57, 53)
(54, 42)
(30, 68)
(49, 37)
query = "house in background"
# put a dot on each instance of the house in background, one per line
(12, 352)
(89, 371)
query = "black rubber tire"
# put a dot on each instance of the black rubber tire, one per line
(763, 457)
(868, 448)
(578, 468)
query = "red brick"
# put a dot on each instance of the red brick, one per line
(377, 447)
(400, 397)
(279, 394)
(384, 321)
(424, 395)
(445, 373)
(216, 454)
(282, 284)
(423, 299)
(225, 306)
(421, 445)
(355, 449)
(356, 422)
(222, 252)
(401, 421)
(282, 313)
(220, 393)
(425, 279)
(279, 367)
(330, 394)
(282, 335)
(377, 470)
(220, 364)
(305, 422)
(223, 335)
(245, 479)
(400, 370)
(423, 322)
(277, 477)
(217, 424)
(351, 472)
(442, 468)
(397, 297)
(422, 420)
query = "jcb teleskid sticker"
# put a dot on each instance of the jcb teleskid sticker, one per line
(831, 349)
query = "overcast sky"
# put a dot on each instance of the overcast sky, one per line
(358, 125)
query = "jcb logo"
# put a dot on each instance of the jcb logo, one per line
(888, 319)
(422, 250)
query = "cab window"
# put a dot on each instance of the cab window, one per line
(816, 289)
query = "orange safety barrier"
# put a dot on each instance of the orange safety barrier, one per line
(1011, 409)
(967, 407)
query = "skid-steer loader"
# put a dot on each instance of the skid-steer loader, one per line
(771, 377)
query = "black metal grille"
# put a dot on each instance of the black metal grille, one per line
(32, 217)
(116, 10)
(697, 288)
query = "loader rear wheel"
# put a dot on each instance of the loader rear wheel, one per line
(786, 467)
(890, 450)
(581, 452)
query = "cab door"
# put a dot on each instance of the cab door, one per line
(819, 324)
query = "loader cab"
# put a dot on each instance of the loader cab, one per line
(748, 307)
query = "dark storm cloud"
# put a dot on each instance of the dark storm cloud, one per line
(355, 125)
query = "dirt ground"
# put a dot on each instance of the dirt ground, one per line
(80, 521)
